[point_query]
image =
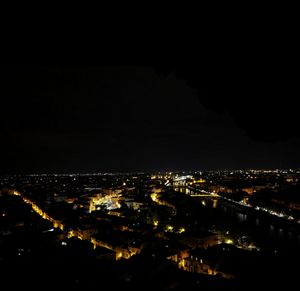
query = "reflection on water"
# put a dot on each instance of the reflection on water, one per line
(215, 203)
(242, 217)
(264, 231)
(281, 233)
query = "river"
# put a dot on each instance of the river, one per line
(261, 229)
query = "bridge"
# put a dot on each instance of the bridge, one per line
(194, 192)
(205, 195)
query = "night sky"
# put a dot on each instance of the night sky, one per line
(139, 118)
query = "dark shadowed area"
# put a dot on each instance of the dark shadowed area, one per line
(141, 118)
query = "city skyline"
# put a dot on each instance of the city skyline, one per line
(224, 230)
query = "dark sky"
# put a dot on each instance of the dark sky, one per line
(140, 118)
